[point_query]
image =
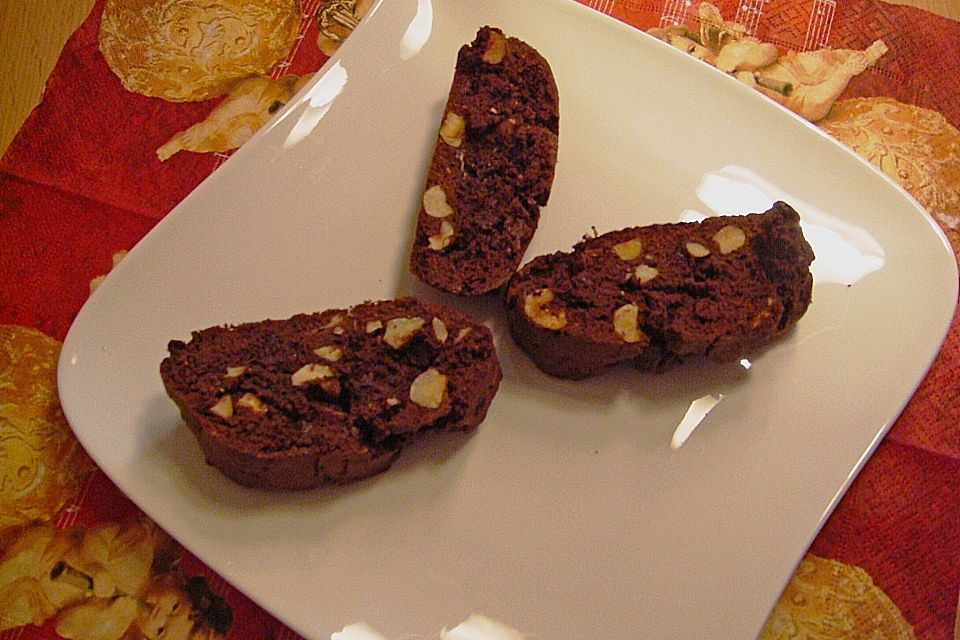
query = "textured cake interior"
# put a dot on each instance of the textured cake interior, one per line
(694, 295)
(333, 386)
(494, 160)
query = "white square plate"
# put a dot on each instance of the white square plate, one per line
(568, 514)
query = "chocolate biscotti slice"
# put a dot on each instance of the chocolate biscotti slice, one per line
(330, 396)
(663, 294)
(492, 167)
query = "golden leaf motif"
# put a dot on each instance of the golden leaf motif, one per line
(183, 50)
(916, 147)
(42, 466)
(827, 600)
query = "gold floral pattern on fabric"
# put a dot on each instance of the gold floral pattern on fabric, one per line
(916, 147)
(42, 466)
(183, 50)
(109, 581)
(827, 599)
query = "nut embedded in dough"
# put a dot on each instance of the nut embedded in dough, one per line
(453, 128)
(626, 323)
(429, 389)
(535, 306)
(629, 250)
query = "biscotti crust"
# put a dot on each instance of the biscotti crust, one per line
(663, 294)
(492, 167)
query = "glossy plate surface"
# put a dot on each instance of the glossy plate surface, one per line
(568, 514)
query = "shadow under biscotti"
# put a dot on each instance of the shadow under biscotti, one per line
(196, 485)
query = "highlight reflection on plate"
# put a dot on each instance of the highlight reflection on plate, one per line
(567, 514)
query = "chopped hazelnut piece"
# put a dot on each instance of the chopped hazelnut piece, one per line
(435, 202)
(329, 352)
(374, 325)
(645, 273)
(235, 372)
(428, 389)
(629, 250)
(444, 238)
(392, 402)
(440, 329)
(452, 130)
(534, 305)
(625, 323)
(496, 48)
(252, 402)
(697, 250)
(400, 330)
(729, 239)
(759, 319)
(223, 407)
(310, 373)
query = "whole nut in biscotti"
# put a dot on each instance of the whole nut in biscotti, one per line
(452, 129)
(535, 306)
(443, 239)
(310, 373)
(629, 250)
(183, 50)
(334, 321)
(697, 250)
(400, 330)
(329, 352)
(223, 407)
(439, 330)
(435, 202)
(625, 323)
(252, 402)
(645, 273)
(428, 389)
(729, 239)
(496, 48)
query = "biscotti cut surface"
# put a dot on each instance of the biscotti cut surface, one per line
(492, 167)
(330, 396)
(663, 294)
